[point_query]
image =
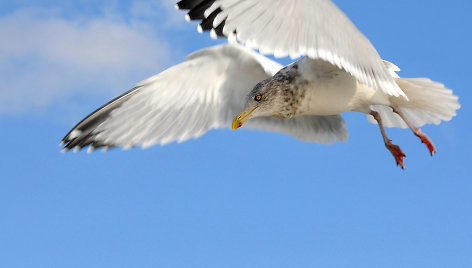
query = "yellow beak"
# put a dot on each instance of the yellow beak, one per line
(239, 120)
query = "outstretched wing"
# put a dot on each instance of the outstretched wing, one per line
(316, 28)
(204, 92)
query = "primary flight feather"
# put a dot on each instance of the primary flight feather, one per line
(340, 71)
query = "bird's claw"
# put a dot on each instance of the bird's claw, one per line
(397, 153)
(426, 140)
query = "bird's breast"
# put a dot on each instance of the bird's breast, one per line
(334, 95)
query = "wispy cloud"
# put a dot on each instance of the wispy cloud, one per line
(46, 57)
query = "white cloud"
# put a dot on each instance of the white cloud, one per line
(46, 58)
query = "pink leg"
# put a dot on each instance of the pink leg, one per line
(393, 148)
(424, 138)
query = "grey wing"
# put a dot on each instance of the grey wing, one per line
(206, 91)
(185, 101)
(316, 28)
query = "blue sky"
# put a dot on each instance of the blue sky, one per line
(229, 198)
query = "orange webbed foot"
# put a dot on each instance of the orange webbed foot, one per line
(426, 140)
(397, 153)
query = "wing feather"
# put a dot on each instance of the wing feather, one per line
(185, 101)
(316, 28)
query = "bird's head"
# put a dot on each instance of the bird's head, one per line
(267, 98)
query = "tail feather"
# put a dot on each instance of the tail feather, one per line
(429, 102)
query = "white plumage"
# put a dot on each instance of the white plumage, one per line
(316, 28)
(185, 101)
(341, 71)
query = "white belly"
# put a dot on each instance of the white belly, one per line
(337, 93)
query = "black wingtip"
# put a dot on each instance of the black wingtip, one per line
(190, 4)
(85, 132)
(198, 12)
(207, 23)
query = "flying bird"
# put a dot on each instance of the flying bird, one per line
(232, 85)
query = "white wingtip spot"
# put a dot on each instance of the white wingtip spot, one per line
(127, 147)
(176, 6)
(76, 149)
(187, 18)
(213, 34)
(74, 134)
(90, 149)
(199, 28)
(61, 143)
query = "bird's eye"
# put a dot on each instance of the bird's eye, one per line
(258, 98)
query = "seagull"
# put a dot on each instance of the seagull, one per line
(231, 85)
